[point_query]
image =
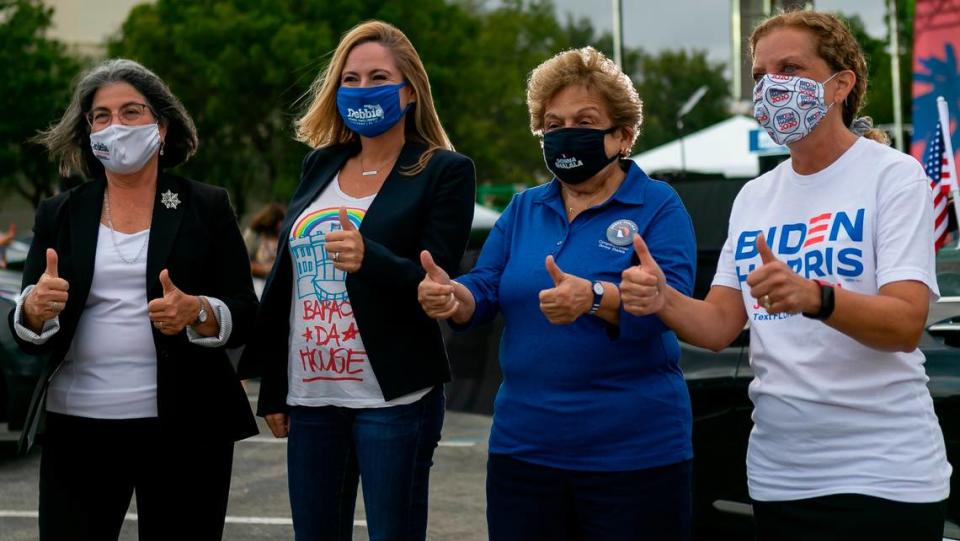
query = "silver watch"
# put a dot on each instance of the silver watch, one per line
(202, 315)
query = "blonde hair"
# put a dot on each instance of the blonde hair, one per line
(840, 50)
(590, 68)
(321, 124)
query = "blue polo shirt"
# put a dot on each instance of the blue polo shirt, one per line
(586, 396)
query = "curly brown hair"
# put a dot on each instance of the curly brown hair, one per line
(837, 46)
(590, 68)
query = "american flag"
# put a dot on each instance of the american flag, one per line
(940, 181)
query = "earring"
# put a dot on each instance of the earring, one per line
(161, 147)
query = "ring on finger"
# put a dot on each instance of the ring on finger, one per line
(336, 256)
(766, 302)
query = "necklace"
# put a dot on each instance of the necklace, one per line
(113, 234)
(371, 172)
(590, 203)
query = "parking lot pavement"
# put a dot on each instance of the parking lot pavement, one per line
(259, 508)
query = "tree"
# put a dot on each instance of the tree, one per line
(879, 102)
(241, 68)
(35, 87)
(665, 81)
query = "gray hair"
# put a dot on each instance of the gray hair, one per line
(69, 139)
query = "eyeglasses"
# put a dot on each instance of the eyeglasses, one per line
(129, 113)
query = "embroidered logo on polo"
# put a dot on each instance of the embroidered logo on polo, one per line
(621, 232)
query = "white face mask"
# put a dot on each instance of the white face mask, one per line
(789, 107)
(125, 149)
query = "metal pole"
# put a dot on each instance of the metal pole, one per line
(618, 32)
(735, 60)
(895, 73)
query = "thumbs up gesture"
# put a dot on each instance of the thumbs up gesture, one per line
(641, 286)
(345, 247)
(569, 298)
(777, 288)
(436, 292)
(48, 298)
(172, 312)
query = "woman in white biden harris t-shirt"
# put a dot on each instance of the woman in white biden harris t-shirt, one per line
(830, 257)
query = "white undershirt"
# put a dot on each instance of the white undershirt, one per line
(110, 370)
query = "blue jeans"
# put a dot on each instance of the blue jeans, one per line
(390, 450)
(530, 502)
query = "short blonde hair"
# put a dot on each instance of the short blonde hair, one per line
(321, 124)
(590, 68)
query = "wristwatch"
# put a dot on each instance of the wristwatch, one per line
(597, 297)
(202, 314)
(826, 301)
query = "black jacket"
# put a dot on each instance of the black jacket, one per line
(199, 242)
(431, 210)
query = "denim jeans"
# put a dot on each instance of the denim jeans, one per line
(390, 450)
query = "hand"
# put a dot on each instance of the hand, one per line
(171, 313)
(778, 289)
(49, 297)
(641, 288)
(345, 246)
(436, 292)
(570, 298)
(279, 424)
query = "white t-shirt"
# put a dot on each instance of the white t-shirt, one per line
(830, 414)
(328, 363)
(110, 370)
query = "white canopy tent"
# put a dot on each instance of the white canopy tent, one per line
(483, 217)
(723, 148)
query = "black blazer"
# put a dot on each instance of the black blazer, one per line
(431, 210)
(199, 242)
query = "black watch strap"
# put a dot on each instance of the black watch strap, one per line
(827, 301)
(597, 289)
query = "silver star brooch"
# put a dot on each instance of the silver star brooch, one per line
(170, 199)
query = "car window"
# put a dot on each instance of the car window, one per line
(948, 271)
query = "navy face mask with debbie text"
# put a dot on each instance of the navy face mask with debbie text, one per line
(370, 110)
(574, 155)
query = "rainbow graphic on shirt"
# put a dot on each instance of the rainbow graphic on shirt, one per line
(315, 220)
(326, 344)
(316, 275)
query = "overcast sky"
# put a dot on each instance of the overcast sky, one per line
(700, 24)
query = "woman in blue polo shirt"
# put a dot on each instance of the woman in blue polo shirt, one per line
(591, 435)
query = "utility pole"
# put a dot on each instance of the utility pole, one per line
(618, 33)
(894, 30)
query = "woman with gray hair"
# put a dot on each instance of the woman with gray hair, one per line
(135, 283)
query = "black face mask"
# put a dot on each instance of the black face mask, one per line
(575, 155)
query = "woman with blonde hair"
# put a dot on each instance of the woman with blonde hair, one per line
(352, 370)
(830, 257)
(591, 430)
